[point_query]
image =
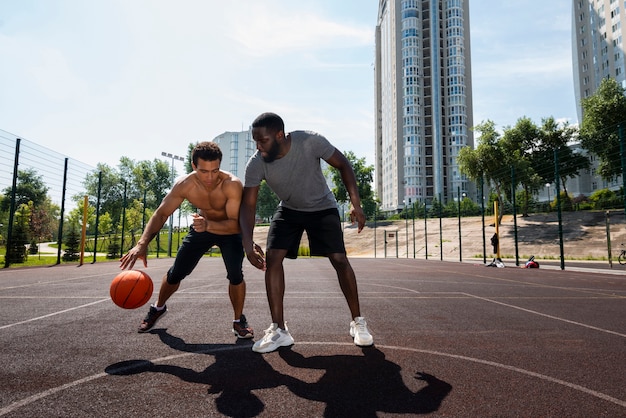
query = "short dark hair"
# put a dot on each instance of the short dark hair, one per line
(208, 151)
(269, 120)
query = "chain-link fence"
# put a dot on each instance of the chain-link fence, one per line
(44, 206)
(569, 218)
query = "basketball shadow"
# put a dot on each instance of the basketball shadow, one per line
(364, 385)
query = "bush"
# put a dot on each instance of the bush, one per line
(72, 244)
(113, 250)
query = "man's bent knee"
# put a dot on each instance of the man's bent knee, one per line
(235, 280)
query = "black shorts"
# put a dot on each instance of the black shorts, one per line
(322, 227)
(196, 244)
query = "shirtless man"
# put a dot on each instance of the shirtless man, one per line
(217, 195)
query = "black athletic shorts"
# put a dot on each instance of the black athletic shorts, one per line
(322, 227)
(196, 244)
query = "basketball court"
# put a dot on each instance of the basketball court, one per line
(451, 339)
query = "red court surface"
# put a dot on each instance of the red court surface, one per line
(451, 339)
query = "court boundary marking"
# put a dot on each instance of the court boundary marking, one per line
(37, 396)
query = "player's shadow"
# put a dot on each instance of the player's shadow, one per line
(353, 385)
(236, 372)
(364, 385)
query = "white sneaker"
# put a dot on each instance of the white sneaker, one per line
(274, 338)
(360, 333)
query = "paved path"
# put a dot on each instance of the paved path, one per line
(451, 339)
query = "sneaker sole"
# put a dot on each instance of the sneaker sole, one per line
(141, 331)
(251, 335)
(364, 345)
(265, 351)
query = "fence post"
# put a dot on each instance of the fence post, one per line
(413, 220)
(12, 206)
(60, 238)
(425, 230)
(83, 231)
(558, 205)
(608, 239)
(513, 184)
(458, 192)
(123, 220)
(482, 211)
(95, 237)
(440, 230)
(620, 130)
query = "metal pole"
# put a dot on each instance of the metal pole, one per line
(95, 238)
(440, 230)
(406, 229)
(458, 192)
(413, 220)
(60, 237)
(608, 239)
(514, 214)
(482, 211)
(171, 226)
(425, 230)
(622, 146)
(12, 203)
(123, 220)
(375, 217)
(83, 231)
(558, 205)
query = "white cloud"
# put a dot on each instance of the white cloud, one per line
(266, 32)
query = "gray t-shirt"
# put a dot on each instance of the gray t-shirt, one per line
(296, 178)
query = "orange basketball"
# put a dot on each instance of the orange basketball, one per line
(131, 289)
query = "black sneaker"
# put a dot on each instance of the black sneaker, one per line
(153, 316)
(241, 328)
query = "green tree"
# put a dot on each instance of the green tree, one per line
(16, 251)
(134, 220)
(364, 176)
(488, 160)
(602, 113)
(43, 220)
(267, 202)
(29, 187)
(72, 244)
(111, 190)
(105, 224)
(152, 179)
(555, 136)
(518, 143)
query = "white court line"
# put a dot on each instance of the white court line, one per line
(580, 324)
(53, 314)
(33, 398)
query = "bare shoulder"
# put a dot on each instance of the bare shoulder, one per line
(230, 182)
(184, 184)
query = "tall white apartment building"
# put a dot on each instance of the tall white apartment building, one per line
(597, 45)
(237, 148)
(423, 101)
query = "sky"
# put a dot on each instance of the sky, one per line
(100, 79)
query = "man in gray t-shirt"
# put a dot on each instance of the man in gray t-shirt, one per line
(290, 164)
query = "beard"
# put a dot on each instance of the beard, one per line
(272, 153)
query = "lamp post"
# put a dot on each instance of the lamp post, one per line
(548, 188)
(169, 242)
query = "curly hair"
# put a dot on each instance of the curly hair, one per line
(208, 151)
